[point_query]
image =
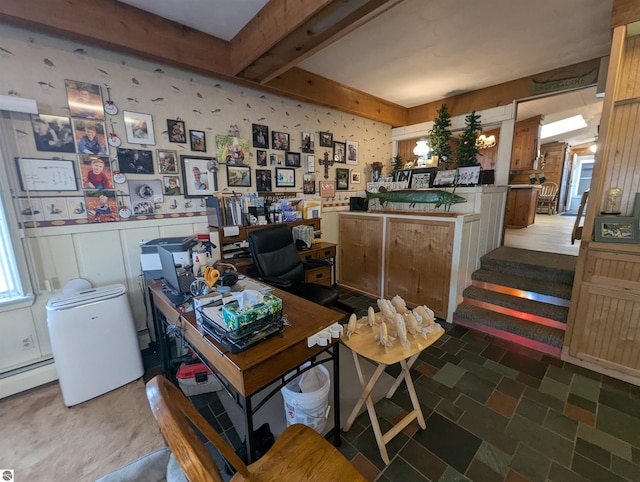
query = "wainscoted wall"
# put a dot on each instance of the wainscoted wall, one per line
(62, 248)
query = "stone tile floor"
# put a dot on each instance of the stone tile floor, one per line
(495, 411)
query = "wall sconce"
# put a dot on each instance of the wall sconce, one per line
(484, 142)
(593, 148)
(422, 150)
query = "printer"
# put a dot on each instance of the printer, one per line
(180, 247)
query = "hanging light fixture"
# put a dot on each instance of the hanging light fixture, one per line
(422, 149)
(484, 142)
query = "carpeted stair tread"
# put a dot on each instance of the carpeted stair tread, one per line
(541, 286)
(546, 310)
(533, 331)
(555, 267)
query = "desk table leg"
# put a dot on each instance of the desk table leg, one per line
(337, 439)
(248, 426)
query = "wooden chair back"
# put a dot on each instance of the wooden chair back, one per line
(548, 192)
(175, 414)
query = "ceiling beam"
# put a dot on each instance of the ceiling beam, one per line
(282, 34)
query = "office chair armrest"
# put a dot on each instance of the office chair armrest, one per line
(277, 282)
(315, 263)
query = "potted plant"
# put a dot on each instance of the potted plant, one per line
(440, 135)
(467, 150)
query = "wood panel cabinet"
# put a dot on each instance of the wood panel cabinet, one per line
(521, 206)
(526, 144)
(419, 255)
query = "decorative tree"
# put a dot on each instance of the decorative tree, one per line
(397, 165)
(440, 135)
(467, 150)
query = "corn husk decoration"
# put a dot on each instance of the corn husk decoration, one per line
(371, 318)
(383, 337)
(426, 314)
(400, 305)
(401, 330)
(413, 322)
(352, 326)
(387, 310)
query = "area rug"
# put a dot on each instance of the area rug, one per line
(43, 440)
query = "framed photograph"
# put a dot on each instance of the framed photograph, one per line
(285, 177)
(198, 142)
(260, 135)
(636, 206)
(263, 180)
(423, 177)
(276, 159)
(232, 150)
(279, 141)
(171, 185)
(261, 157)
(342, 179)
(617, 229)
(52, 133)
(89, 137)
(339, 152)
(352, 152)
(101, 206)
(403, 175)
(95, 172)
(135, 161)
(85, 100)
(326, 139)
(445, 178)
(309, 184)
(327, 188)
(238, 176)
(176, 130)
(139, 128)
(468, 176)
(46, 174)
(167, 161)
(310, 164)
(308, 142)
(197, 179)
(292, 159)
(355, 177)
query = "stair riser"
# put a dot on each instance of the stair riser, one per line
(534, 345)
(529, 295)
(517, 314)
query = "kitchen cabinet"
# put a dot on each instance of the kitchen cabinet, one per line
(526, 144)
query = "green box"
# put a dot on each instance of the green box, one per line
(235, 318)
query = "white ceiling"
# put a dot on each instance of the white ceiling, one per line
(421, 51)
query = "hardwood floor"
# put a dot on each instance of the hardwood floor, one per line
(548, 233)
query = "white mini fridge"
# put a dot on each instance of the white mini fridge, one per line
(94, 342)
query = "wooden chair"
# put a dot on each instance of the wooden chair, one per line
(299, 453)
(577, 229)
(548, 196)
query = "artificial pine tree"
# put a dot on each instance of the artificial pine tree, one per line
(467, 150)
(440, 135)
(397, 165)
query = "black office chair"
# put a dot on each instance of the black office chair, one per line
(278, 263)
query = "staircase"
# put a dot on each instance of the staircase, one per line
(522, 296)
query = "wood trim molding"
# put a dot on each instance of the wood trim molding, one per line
(624, 12)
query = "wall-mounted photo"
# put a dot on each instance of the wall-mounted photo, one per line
(101, 206)
(308, 142)
(352, 152)
(260, 135)
(135, 161)
(171, 185)
(423, 177)
(139, 128)
(52, 133)
(310, 164)
(276, 159)
(309, 184)
(176, 130)
(197, 179)
(231, 149)
(292, 159)
(355, 177)
(339, 149)
(617, 229)
(84, 99)
(342, 179)
(279, 141)
(263, 180)
(95, 172)
(327, 188)
(261, 157)
(326, 139)
(46, 174)
(285, 177)
(89, 137)
(167, 161)
(238, 176)
(198, 142)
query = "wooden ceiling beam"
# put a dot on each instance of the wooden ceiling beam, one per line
(280, 37)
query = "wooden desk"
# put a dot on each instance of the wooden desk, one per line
(246, 373)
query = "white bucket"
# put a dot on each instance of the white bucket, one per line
(310, 408)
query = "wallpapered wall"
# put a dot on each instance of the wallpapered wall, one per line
(62, 244)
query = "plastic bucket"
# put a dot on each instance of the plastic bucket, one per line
(308, 408)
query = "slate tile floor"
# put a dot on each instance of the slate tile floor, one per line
(495, 412)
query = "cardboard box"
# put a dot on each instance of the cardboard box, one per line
(236, 318)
